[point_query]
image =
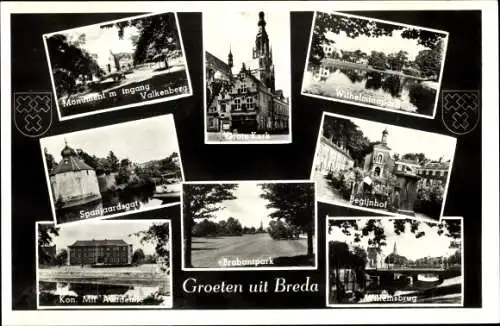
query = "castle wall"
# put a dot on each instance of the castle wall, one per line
(74, 186)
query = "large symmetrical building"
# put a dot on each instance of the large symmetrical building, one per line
(246, 101)
(100, 252)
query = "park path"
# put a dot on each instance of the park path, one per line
(207, 252)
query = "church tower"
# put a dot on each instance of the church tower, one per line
(230, 59)
(395, 250)
(263, 53)
(384, 136)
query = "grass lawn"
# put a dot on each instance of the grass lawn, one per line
(208, 252)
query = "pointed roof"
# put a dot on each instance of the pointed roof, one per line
(70, 161)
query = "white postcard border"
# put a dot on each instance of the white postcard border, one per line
(147, 102)
(257, 136)
(338, 203)
(393, 305)
(98, 218)
(90, 307)
(235, 269)
(438, 91)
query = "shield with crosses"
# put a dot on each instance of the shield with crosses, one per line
(461, 111)
(33, 113)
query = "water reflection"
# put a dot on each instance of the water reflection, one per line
(82, 293)
(371, 87)
(112, 203)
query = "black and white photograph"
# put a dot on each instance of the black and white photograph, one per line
(247, 77)
(249, 225)
(118, 64)
(395, 262)
(104, 264)
(375, 63)
(112, 171)
(382, 168)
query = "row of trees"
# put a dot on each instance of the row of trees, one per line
(157, 235)
(156, 34)
(427, 61)
(355, 258)
(293, 204)
(122, 167)
(229, 227)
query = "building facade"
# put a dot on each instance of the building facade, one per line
(106, 252)
(246, 101)
(433, 173)
(379, 163)
(72, 181)
(332, 157)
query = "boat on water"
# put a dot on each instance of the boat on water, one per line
(170, 187)
(427, 278)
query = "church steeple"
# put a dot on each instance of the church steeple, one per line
(395, 250)
(230, 58)
(262, 52)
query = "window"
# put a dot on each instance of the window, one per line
(237, 103)
(250, 105)
(380, 158)
(243, 88)
(377, 171)
(223, 107)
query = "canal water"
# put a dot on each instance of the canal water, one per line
(112, 203)
(78, 293)
(370, 88)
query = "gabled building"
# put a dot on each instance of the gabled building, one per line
(246, 101)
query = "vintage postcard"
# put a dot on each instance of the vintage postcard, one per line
(118, 64)
(104, 264)
(247, 225)
(247, 77)
(380, 262)
(375, 63)
(382, 168)
(114, 170)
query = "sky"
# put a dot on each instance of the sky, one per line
(386, 44)
(139, 141)
(405, 140)
(238, 31)
(431, 244)
(248, 208)
(110, 230)
(101, 41)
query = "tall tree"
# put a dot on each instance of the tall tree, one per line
(200, 202)
(346, 133)
(49, 159)
(62, 257)
(138, 256)
(46, 232)
(68, 61)
(158, 235)
(294, 202)
(355, 27)
(113, 161)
